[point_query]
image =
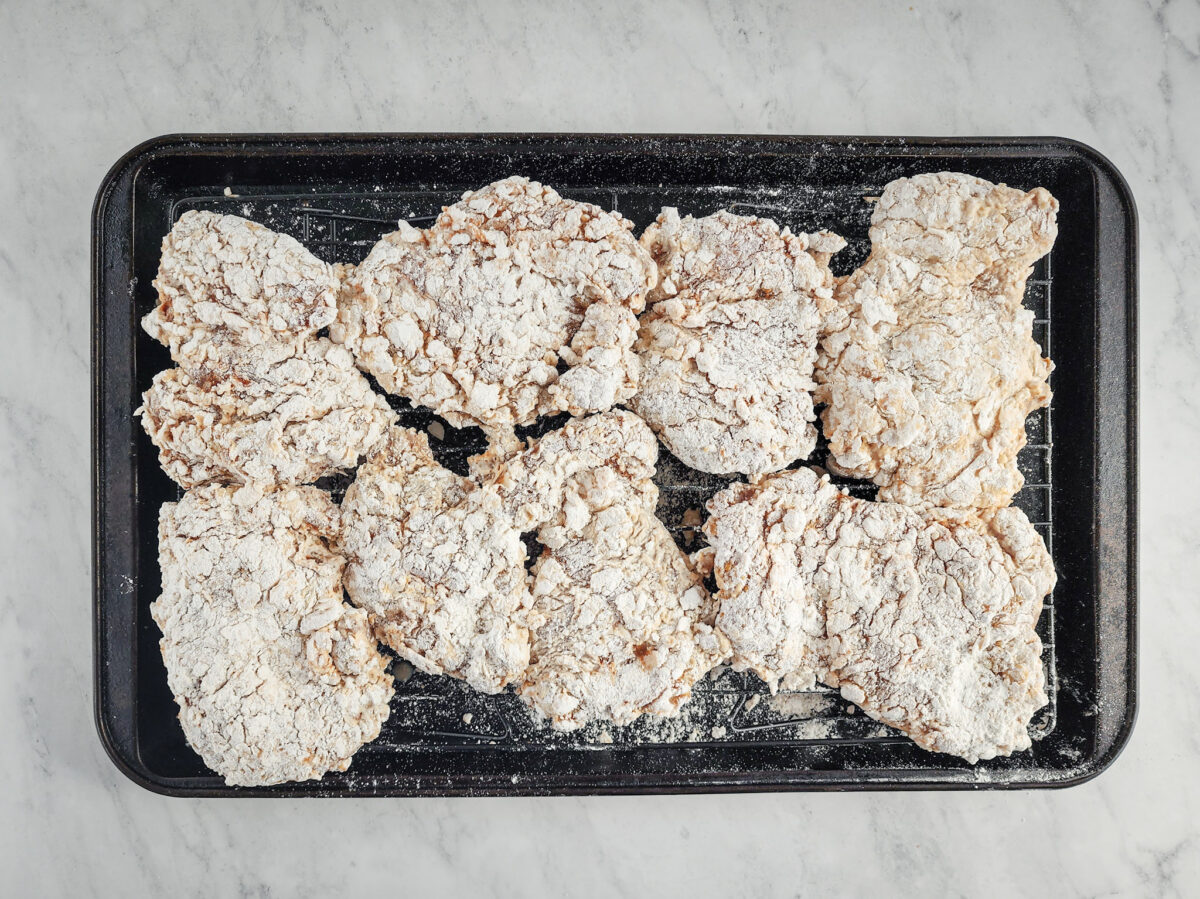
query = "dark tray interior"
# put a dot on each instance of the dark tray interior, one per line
(337, 195)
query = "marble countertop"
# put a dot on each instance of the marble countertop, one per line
(85, 81)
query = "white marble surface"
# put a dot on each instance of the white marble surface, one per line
(83, 82)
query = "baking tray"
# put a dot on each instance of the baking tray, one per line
(338, 193)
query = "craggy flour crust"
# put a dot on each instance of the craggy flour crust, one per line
(924, 619)
(438, 564)
(929, 367)
(227, 282)
(257, 398)
(518, 303)
(473, 316)
(729, 343)
(288, 422)
(625, 621)
(276, 678)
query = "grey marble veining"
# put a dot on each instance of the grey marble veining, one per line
(83, 82)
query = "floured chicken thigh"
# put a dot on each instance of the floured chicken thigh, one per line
(227, 282)
(929, 367)
(276, 678)
(728, 345)
(438, 564)
(626, 623)
(287, 422)
(473, 316)
(925, 619)
(257, 397)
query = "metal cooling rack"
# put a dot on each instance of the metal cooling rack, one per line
(726, 706)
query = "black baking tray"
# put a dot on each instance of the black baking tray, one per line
(339, 193)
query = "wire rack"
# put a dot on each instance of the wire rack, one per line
(727, 706)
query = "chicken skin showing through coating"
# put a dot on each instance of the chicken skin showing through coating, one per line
(515, 303)
(929, 367)
(257, 397)
(729, 342)
(625, 623)
(277, 679)
(438, 563)
(924, 619)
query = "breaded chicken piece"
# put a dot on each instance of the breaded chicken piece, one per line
(287, 422)
(475, 316)
(276, 678)
(626, 623)
(929, 367)
(438, 564)
(924, 619)
(729, 342)
(227, 282)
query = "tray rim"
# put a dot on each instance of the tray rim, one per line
(495, 785)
